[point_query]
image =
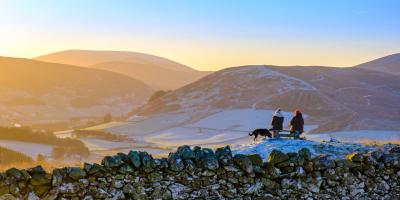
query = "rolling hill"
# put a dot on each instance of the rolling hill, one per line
(333, 98)
(33, 91)
(158, 72)
(154, 76)
(389, 64)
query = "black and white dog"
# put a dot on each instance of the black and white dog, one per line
(261, 132)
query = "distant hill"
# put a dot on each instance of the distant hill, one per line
(158, 72)
(34, 91)
(389, 64)
(333, 98)
(154, 76)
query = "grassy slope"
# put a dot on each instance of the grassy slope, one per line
(8, 157)
(37, 78)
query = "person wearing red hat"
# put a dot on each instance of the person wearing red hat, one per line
(297, 123)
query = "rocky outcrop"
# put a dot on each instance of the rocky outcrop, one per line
(196, 173)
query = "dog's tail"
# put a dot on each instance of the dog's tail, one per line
(251, 134)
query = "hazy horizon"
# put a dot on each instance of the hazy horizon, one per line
(207, 35)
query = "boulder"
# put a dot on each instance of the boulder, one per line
(322, 163)
(243, 162)
(76, 173)
(36, 170)
(208, 173)
(271, 171)
(123, 157)
(305, 153)
(57, 178)
(254, 189)
(96, 169)
(87, 167)
(270, 185)
(147, 161)
(69, 188)
(100, 194)
(190, 166)
(40, 179)
(16, 173)
(41, 189)
(308, 166)
(185, 152)
(4, 190)
(33, 196)
(255, 159)
(175, 162)
(200, 194)
(7, 197)
(134, 158)
(277, 156)
(111, 161)
(118, 184)
(126, 169)
(209, 160)
(179, 191)
(198, 154)
(155, 177)
(160, 193)
(224, 155)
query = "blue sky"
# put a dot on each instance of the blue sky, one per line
(207, 34)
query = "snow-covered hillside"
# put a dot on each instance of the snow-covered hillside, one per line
(223, 107)
(219, 127)
(336, 99)
(360, 136)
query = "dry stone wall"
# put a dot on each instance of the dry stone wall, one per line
(196, 173)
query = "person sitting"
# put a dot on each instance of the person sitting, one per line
(277, 121)
(297, 124)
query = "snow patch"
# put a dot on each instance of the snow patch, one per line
(333, 148)
(244, 120)
(225, 127)
(94, 144)
(358, 136)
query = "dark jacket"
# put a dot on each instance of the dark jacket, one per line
(277, 123)
(297, 123)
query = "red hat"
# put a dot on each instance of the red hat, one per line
(297, 112)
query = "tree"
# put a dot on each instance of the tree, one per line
(107, 118)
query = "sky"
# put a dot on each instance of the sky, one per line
(207, 34)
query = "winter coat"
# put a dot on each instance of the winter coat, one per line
(277, 123)
(297, 123)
